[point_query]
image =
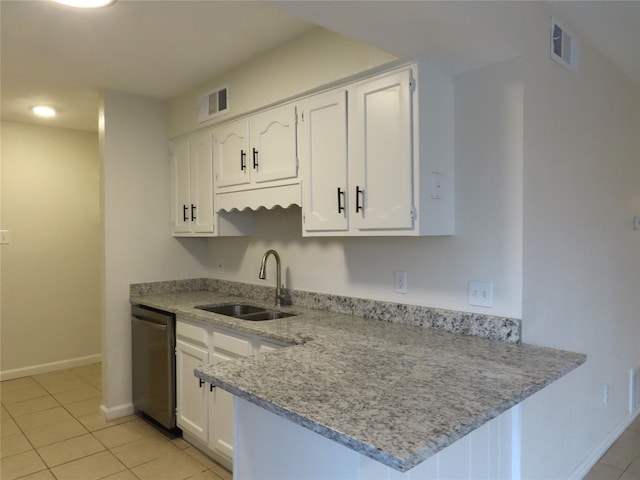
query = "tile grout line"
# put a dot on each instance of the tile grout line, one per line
(215, 472)
(59, 404)
(33, 447)
(106, 448)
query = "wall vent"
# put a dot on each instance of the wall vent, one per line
(565, 47)
(213, 103)
(634, 389)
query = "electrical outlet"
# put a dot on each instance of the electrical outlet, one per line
(480, 294)
(401, 282)
(220, 265)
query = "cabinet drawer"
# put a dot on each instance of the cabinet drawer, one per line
(193, 332)
(231, 343)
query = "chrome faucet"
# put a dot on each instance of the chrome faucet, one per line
(281, 296)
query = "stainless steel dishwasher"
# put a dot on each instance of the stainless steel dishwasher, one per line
(153, 343)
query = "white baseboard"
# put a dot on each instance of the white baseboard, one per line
(585, 467)
(49, 367)
(118, 411)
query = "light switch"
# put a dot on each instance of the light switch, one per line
(4, 237)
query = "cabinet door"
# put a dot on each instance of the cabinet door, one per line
(322, 143)
(381, 154)
(191, 398)
(273, 145)
(231, 154)
(201, 181)
(180, 189)
(221, 421)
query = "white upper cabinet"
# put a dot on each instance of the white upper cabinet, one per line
(273, 140)
(192, 169)
(181, 188)
(322, 144)
(194, 214)
(231, 149)
(377, 156)
(201, 181)
(257, 149)
(380, 154)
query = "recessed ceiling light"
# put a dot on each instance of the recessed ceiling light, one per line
(44, 111)
(85, 3)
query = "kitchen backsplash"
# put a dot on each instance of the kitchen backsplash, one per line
(465, 323)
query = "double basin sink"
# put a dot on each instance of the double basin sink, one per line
(245, 312)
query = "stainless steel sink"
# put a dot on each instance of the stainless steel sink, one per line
(266, 315)
(231, 309)
(245, 312)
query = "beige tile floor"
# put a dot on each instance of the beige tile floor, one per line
(622, 460)
(51, 428)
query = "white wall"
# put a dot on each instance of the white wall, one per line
(310, 60)
(138, 246)
(51, 268)
(581, 255)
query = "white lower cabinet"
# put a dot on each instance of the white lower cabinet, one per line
(192, 412)
(205, 413)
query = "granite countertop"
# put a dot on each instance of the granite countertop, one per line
(395, 393)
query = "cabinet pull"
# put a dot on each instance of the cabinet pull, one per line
(243, 160)
(359, 191)
(255, 159)
(211, 387)
(193, 212)
(184, 213)
(201, 382)
(340, 200)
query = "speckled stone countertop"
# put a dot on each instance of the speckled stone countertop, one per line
(396, 393)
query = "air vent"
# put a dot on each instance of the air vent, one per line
(565, 48)
(213, 103)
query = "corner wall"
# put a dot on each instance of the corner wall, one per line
(51, 267)
(581, 254)
(138, 246)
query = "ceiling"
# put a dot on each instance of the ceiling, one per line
(63, 56)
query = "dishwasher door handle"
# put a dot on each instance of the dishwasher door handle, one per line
(150, 324)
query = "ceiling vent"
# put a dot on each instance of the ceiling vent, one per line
(565, 48)
(213, 103)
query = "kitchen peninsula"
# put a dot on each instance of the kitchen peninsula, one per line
(396, 393)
